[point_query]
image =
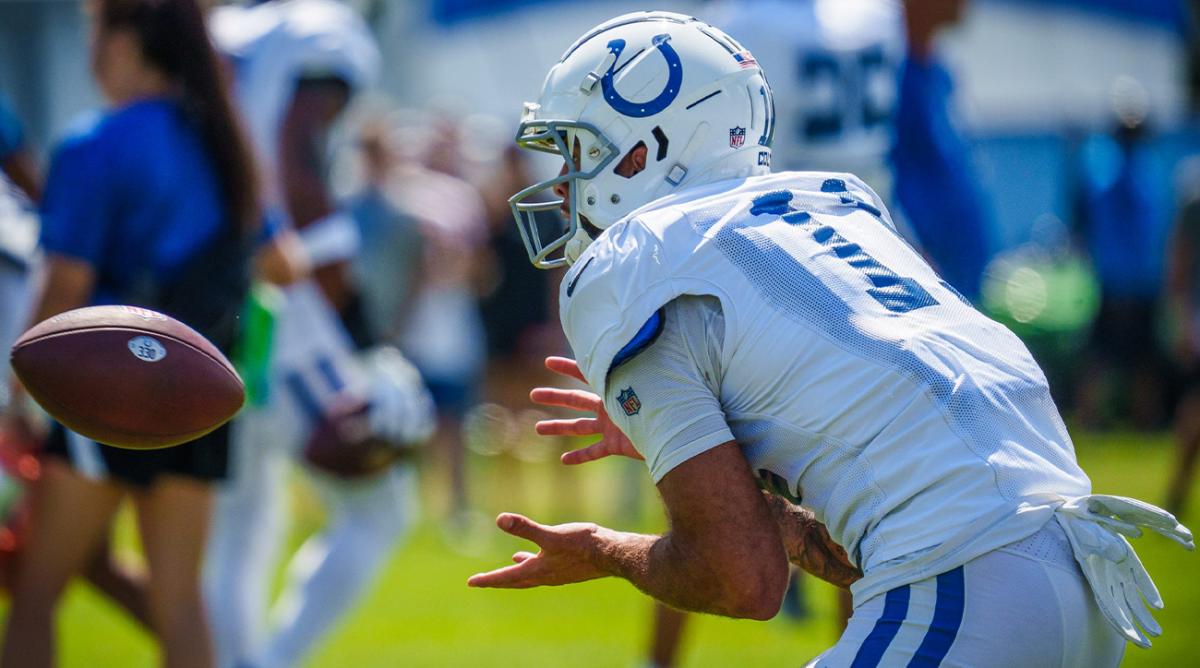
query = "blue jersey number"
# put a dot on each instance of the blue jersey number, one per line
(898, 294)
(848, 87)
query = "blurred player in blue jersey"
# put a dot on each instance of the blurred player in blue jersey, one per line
(936, 183)
(744, 331)
(1123, 216)
(834, 68)
(296, 66)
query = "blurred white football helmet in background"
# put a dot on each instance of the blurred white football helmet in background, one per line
(692, 95)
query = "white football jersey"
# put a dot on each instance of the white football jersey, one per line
(921, 433)
(272, 45)
(833, 66)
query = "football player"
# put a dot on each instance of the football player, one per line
(743, 330)
(834, 67)
(296, 66)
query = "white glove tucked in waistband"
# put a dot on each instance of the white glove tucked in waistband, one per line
(1097, 525)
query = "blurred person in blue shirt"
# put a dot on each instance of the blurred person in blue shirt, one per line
(936, 183)
(20, 192)
(1123, 219)
(153, 203)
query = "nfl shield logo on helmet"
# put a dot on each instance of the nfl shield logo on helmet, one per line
(737, 137)
(629, 401)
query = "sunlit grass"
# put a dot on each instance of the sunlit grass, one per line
(420, 613)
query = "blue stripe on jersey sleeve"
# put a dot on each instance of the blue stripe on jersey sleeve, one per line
(640, 341)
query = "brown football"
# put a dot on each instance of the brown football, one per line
(127, 376)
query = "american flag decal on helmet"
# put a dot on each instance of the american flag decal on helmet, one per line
(745, 60)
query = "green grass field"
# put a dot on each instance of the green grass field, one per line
(422, 614)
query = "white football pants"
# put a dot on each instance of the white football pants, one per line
(1026, 604)
(366, 517)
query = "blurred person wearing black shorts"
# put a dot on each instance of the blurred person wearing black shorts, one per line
(152, 202)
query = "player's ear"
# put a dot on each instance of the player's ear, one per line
(633, 162)
(639, 156)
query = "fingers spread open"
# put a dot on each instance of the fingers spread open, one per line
(576, 427)
(580, 400)
(516, 576)
(523, 527)
(565, 366)
(598, 450)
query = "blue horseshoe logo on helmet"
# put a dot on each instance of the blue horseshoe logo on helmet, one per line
(665, 98)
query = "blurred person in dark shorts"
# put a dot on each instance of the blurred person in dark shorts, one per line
(20, 192)
(151, 202)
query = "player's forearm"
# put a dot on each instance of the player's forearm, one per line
(667, 569)
(809, 546)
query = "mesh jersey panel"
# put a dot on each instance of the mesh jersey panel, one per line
(978, 372)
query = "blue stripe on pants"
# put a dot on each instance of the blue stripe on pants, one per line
(303, 396)
(895, 609)
(331, 375)
(947, 618)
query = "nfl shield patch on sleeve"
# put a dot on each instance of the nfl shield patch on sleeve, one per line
(629, 401)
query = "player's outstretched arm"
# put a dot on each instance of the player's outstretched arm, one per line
(722, 555)
(808, 544)
(612, 440)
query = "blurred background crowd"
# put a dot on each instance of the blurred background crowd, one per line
(1043, 154)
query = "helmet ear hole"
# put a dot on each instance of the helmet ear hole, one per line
(633, 162)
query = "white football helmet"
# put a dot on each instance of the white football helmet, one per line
(692, 95)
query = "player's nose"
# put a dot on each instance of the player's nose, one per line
(562, 189)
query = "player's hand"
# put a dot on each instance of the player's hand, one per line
(565, 556)
(612, 440)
